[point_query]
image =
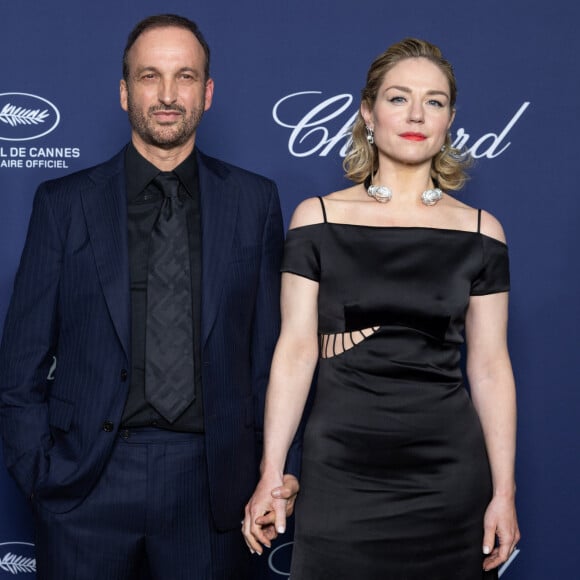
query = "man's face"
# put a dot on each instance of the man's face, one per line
(166, 92)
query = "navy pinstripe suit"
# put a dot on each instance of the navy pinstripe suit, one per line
(72, 301)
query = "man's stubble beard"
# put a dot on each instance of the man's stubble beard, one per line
(164, 137)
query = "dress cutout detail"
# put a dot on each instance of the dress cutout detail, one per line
(335, 344)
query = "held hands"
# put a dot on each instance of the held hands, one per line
(267, 510)
(500, 522)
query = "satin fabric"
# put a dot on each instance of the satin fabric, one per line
(395, 476)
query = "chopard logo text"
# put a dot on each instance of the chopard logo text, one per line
(279, 560)
(320, 125)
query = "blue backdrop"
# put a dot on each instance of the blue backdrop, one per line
(288, 77)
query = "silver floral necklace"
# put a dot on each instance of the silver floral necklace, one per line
(383, 194)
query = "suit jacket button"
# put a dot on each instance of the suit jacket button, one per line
(108, 426)
(124, 375)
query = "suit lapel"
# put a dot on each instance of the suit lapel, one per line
(219, 210)
(105, 208)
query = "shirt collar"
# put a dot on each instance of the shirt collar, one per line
(187, 173)
(139, 172)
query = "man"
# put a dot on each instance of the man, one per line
(138, 341)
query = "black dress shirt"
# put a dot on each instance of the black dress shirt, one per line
(143, 204)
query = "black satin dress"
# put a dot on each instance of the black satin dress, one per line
(395, 476)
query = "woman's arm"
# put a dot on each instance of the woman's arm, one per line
(291, 374)
(493, 392)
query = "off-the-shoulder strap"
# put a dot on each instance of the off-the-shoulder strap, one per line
(479, 221)
(323, 208)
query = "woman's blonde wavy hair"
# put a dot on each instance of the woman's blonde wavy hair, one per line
(361, 161)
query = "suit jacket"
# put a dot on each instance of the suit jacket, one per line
(65, 354)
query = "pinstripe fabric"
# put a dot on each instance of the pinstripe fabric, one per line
(71, 301)
(150, 506)
(66, 296)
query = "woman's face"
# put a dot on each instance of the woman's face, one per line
(412, 112)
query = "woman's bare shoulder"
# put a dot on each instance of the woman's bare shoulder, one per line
(307, 213)
(467, 217)
(490, 226)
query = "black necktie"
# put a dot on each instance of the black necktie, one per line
(169, 379)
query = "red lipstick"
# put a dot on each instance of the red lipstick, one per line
(413, 136)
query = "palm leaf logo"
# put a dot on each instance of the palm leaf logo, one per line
(17, 564)
(13, 115)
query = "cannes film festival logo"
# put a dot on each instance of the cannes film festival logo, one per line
(16, 558)
(24, 117)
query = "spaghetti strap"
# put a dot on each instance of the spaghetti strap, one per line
(478, 221)
(323, 208)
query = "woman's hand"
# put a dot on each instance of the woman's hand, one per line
(500, 522)
(289, 491)
(266, 512)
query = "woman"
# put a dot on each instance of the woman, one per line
(404, 475)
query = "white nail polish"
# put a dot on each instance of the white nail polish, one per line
(486, 550)
(281, 529)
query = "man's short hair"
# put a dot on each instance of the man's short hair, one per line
(162, 21)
